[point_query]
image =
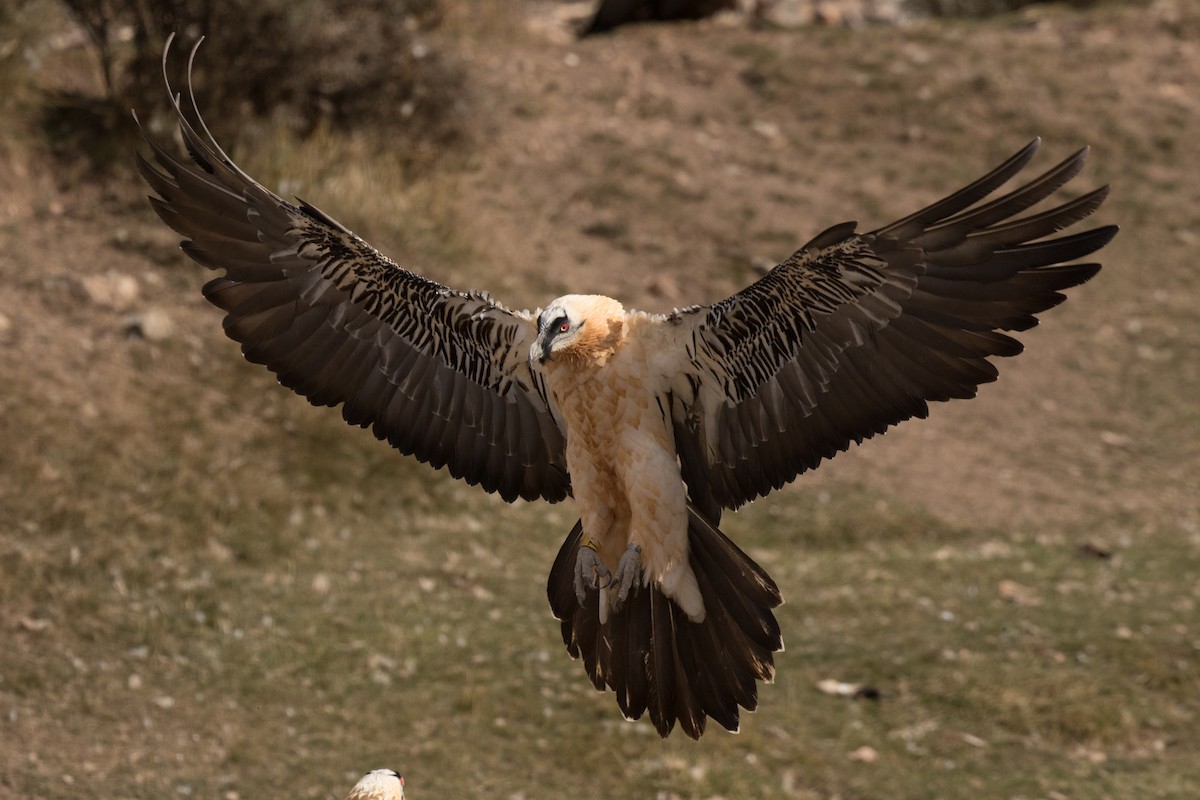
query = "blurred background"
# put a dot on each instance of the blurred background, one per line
(210, 589)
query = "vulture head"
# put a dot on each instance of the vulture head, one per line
(583, 328)
(379, 784)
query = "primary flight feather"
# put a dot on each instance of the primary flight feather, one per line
(654, 423)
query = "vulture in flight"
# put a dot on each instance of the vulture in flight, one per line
(654, 423)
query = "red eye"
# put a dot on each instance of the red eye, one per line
(566, 326)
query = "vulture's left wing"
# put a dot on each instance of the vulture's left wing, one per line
(856, 332)
(441, 374)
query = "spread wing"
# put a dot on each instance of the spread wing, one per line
(857, 332)
(440, 374)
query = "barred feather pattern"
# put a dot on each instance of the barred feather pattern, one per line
(759, 329)
(440, 374)
(460, 328)
(857, 332)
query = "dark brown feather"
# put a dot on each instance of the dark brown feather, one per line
(857, 332)
(440, 374)
(654, 658)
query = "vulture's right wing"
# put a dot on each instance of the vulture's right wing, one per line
(440, 374)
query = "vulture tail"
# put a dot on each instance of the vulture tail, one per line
(654, 658)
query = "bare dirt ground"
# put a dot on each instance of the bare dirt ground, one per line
(209, 589)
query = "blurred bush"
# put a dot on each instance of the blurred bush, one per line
(303, 63)
(342, 61)
(20, 28)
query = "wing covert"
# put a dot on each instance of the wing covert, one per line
(440, 374)
(857, 332)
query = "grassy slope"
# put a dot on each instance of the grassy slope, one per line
(210, 589)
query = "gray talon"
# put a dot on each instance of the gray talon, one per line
(629, 569)
(590, 571)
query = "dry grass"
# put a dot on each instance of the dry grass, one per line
(210, 589)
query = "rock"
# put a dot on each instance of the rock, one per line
(33, 624)
(784, 13)
(1095, 550)
(768, 130)
(858, 691)
(1017, 593)
(1114, 439)
(865, 754)
(111, 289)
(831, 14)
(153, 325)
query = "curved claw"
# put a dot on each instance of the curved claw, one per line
(590, 571)
(629, 570)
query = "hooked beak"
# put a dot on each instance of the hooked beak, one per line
(540, 351)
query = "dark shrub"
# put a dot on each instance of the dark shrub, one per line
(346, 63)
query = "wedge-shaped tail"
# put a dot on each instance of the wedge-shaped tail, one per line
(655, 659)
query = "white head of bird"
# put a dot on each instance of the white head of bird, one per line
(578, 327)
(378, 784)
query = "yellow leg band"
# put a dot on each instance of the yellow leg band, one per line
(591, 544)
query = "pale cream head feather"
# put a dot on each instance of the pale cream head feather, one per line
(379, 784)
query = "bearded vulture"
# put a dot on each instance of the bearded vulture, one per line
(378, 784)
(653, 423)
